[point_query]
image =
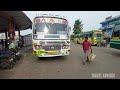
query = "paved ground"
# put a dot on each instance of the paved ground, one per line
(69, 67)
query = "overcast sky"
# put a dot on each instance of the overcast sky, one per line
(90, 19)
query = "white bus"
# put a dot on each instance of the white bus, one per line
(51, 36)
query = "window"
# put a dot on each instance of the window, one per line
(117, 27)
(50, 28)
(98, 35)
(80, 36)
(116, 31)
(86, 35)
(76, 36)
(90, 35)
(116, 34)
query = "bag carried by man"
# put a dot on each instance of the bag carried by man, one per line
(92, 57)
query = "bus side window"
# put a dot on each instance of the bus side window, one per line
(90, 35)
(116, 31)
(116, 34)
(86, 35)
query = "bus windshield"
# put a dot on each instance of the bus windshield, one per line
(116, 31)
(117, 28)
(49, 28)
(97, 35)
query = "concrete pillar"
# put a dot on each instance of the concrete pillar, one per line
(18, 29)
(6, 35)
(19, 34)
(11, 29)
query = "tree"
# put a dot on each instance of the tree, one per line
(78, 26)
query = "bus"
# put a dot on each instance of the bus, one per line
(115, 38)
(50, 36)
(94, 37)
(76, 38)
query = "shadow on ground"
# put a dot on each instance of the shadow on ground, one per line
(117, 54)
(52, 58)
(113, 53)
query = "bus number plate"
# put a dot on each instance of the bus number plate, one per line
(52, 52)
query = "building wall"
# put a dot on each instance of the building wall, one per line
(27, 40)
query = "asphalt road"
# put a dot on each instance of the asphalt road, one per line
(106, 65)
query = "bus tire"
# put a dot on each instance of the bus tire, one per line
(77, 42)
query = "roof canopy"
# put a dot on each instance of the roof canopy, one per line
(20, 19)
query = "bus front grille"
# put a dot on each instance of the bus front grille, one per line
(50, 48)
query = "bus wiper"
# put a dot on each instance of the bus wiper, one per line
(46, 23)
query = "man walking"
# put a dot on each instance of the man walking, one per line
(86, 48)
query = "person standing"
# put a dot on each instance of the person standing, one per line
(86, 48)
(6, 43)
(2, 43)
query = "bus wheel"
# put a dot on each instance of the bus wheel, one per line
(77, 42)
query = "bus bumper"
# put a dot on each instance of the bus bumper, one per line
(38, 53)
(115, 45)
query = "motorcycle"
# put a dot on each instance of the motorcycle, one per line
(103, 44)
(16, 53)
(7, 59)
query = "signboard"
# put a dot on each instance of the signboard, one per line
(51, 20)
(2, 36)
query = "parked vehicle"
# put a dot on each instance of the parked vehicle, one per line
(115, 38)
(16, 53)
(7, 59)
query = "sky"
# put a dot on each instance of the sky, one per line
(90, 19)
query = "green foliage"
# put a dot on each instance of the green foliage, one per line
(72, 36)
(78, 26)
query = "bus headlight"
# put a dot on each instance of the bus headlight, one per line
(37, 47)
(65, 47)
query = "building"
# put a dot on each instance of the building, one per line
(27, 39)
(108, 24)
